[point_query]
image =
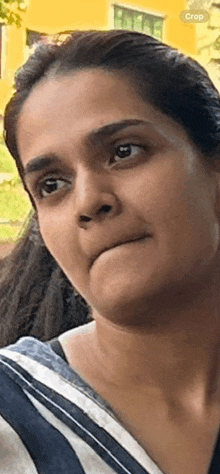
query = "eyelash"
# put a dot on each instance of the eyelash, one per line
(41, 184)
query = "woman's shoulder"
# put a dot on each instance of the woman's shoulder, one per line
(32, 362)
(42, 402)
(84, 329)
(27, 349)
(31, 348)
(51, 420)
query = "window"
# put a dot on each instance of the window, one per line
(129, 19)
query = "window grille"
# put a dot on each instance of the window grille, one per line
(129, 19)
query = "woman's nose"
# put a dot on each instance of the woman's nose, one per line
(95, 200)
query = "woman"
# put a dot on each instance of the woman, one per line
(116, 138)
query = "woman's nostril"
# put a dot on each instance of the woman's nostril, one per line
(105, 209)
(84, 219)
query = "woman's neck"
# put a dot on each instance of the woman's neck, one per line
(179, 359)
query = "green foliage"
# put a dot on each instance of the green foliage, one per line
(7, 164)
(15, 203)
(9, 233)
(14, 209)
(11, 11)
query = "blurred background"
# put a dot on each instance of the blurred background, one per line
(24, 23)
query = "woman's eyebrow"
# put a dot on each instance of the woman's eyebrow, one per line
(42, 162)
(112, 128)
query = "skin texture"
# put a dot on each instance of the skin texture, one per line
(155, 299)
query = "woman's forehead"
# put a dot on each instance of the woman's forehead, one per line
(79, 87)
(73, 106)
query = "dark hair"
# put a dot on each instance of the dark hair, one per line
(171, 81)
(36, 298)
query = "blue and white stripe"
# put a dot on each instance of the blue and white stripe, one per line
(52, 422)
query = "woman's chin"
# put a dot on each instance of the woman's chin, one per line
(128, 295)
(121, 297)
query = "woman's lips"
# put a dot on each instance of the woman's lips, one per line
(117, 244)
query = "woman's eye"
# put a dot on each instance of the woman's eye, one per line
(126, 151)
(50, 186)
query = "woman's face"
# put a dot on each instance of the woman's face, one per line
(125, 203)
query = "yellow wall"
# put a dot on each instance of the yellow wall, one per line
(75, 14)
(52, 16)
(15, 50)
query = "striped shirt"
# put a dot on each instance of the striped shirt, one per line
(53, 422)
